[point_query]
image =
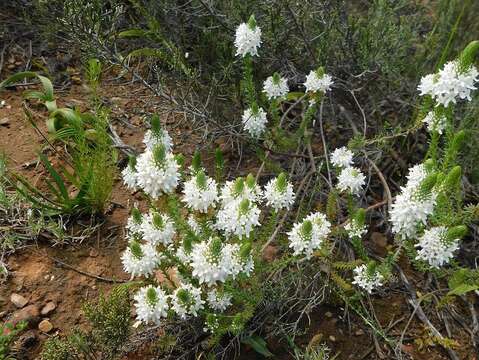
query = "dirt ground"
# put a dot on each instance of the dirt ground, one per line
(38, 276)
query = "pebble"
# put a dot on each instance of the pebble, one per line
(332, 338)
(18, 300)
(328, 314)
(359, 332)
(48, 308)
(4, 121)
(45, 326)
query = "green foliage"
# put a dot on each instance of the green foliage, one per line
(110, 329)
(8, 333)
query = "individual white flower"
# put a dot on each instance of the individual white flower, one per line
(129, 174)
(157, 174)
(212, 261)
(240, 189)
(279, 193)
(151, 304)
(200, 192)
(366, 280)
(157, 229)
(248, 38)
(435, 122)
(140, 259)
(161, 136)
(238, 218)
(309, 235)
(351, 179)
(342, 157)
(450, 83)
(275, 86)
(435, 248)
(317, 81)
(218, 301)
(355, 230)
(186, 300)
(254, 121)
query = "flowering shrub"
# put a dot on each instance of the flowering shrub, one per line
(200, 252)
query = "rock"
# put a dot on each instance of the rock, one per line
(29, 314)
(4, 121)
(270, 253)
(332, 338)
(45, 326)
(328, 314)
(359, 332)
(18, 300)
(48, 308)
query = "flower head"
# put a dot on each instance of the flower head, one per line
(153, 138)
(248, 38)
(157, 172)
(367, 279)
(342, 157)
(186, 300)
(351, 179)
(240, 189)
(279, 193)
(309, 235)
(151, 304)
(200, 192)
(355, 229)
(275, 86)
(317, 80)
(435, 248)
(158, 228)
(254, 121)
(134, 221)
(238, 218)
(450, 83)
(140, 259)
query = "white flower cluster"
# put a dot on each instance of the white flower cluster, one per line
(238, 218)
(411, 208)
(342, 157)
(275, 87)
(450, 84)
(435, 248)
(365, 280)
(248, 39)
(151, 304)
(200, 192)
(186, 300)
(219, 301)
(279, 193)
(354, 229)
(350, 178)
(129, 177)
(140, 259)
(156, 178)
(254, 121)
(309, 235)
(160, 137)
(157, 229)
(317, 81)
(435, 122)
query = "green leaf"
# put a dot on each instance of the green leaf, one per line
(133, 33)
(56, 177)
(258, 344)
(294, 95)
(463, 289)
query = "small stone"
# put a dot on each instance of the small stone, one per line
(328, 314)
(18, 300)
(359, 332)
(48, 308)
(4, 121)
(45, 326)
(332, 338)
